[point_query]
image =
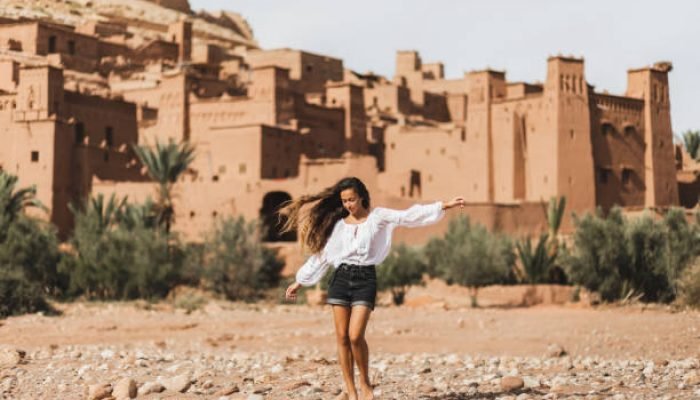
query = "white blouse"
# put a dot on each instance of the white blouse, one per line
(366, 243)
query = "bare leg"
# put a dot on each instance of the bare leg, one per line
(341, 317)
(360, 351)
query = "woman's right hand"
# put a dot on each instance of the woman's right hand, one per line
(457, 201)
(291, 294)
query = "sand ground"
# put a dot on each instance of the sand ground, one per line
(421, 351)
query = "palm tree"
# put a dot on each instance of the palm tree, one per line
(106, 214)
(12, 201)
(692, 143)
(133, 215)
(555, 215)
(165, 164)
(537, 262)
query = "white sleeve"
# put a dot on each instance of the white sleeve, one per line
(313, 270)
(414, 216)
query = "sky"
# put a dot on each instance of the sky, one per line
(516, 36)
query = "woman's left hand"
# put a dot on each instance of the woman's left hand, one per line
(457, 201)
(291, 293)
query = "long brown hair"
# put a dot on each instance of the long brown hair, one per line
(315, 225)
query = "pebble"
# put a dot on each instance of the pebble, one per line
(555, 350)
(178, 383)
(10, 357)
(227, 390)
(151, 387)
(99, 391)
(511, 383)
(124, 389)
(236, 374)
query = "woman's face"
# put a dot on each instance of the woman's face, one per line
(351, 200)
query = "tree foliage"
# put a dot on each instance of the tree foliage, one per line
(118, 256)
(537, 261)
(236, 263)
(471, 256)
(165, 164)
(28, 252)
(691, 140)
(13, 200)
(619, 257)
(402, 268)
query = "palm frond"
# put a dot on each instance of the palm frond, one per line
(13, 201)
(691, 140)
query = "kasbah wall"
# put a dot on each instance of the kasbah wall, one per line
(272, 125)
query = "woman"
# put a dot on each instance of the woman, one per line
(340, 230)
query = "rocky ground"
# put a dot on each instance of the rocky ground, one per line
(237, 351)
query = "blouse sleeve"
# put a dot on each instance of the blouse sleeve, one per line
(313, 269)
(414, 216)
(316, 266)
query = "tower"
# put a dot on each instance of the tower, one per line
(564, 163)
(651, 85)
(484, 87)
(351, 98)
(180, 32)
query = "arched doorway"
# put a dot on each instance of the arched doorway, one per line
(272, 224)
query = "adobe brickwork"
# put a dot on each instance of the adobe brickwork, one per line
(272, 125)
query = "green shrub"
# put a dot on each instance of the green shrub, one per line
(28, 249)
(236, 264)
(471, 256)
(599, 248)
(645, 274)
(403, 267)
(18, 295)
(618, 257)
(689, 285)
(31, 248)
(118, 261)
(537, 262)
(683, 244)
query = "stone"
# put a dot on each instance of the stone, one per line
(227, 390)
(555, 350)
(151, 387)
(10, 357)
(692, 378)
(124, 389)
(255, 397)
(107, 354)
(99, 391)
(259, 389)
(178, 383)
(425, 389)
(511, 383)
(295, 385)
(276, 369)
(531, 382)
(661, 362)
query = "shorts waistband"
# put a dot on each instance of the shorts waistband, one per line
(354, 266)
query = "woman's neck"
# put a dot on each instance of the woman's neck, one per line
(359, 215)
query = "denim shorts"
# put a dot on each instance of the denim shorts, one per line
(353, 285)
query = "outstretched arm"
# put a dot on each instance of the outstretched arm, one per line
(418, 214)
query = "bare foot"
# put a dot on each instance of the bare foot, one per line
(345, 396)
(367, 393)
